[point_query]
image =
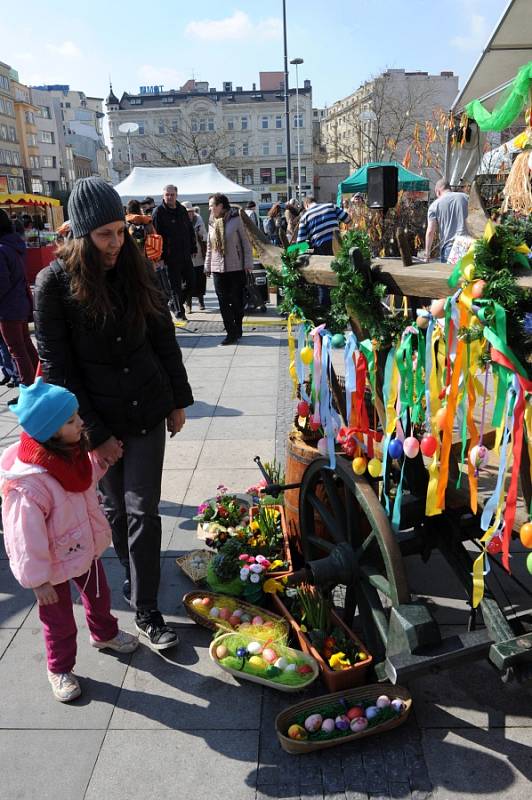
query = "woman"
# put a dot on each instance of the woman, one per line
(15, 302)
(275, 224)
(104, 332)
(291, 215)
(228, 257)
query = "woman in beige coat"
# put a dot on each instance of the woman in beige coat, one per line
(228, 258)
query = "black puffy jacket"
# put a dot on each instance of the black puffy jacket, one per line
(125, 381)
(179, 237)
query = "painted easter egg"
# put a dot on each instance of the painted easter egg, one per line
(327, 725)
(234, 620)
(269, 655)
(258, 620)
(304, 669)
(245, 618)
(222, 651)
(411, 447)
(395, 448)
(354, 712)
(281, 663)
(374, 467)
(206, 601)
(383, 701)
(440, 418)
(224, 613)
(257, 662)
(272, 671)
(477, 290)
(525, 534)
(397, 705)
(437, 308)
(337, 341)
(297, 732)
(341, 722)
(215, 612)
(469, 272)
(479, 456)
(306, 355)
(494, 545)
(198, 601)
(314, 423)
(358, 725)
(322, 446)
(313, 723)
(254, 648)
(372, 712)
(303, 408)
(359, 465)
(422, 322)
(529, 563)
(428, 445)
(290, 667)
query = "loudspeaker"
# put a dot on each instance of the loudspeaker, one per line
(382, 187)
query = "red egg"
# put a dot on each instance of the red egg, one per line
(234, 621)
(494, 546)
(206, 601)
(353, 713)
(303, 408)
(304, 669)
(314, 424)
(428, 445)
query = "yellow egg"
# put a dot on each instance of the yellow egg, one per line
(469, 272)
(375, 467)
(257, 662)
(359, 465)
(306, 354)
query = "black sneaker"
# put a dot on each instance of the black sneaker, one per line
(228, 340)
(151, 625)
(126, 591)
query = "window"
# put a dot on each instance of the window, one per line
(5, 156)
(232, 174)
(167, 99)
(204, 153)
(30, 118)
(265, 175)
(34, 162)
(67, 105)
(12, 134)
(194, 126)
(6, 107)
(264, 122)
(48, 162)
(143, 157)
(47, 137)
(298, 120)
(245, 148)
(278, 121)
(3, 132)
(175, 126)
(31, 139)
(4, 83)
(279, 148)
(280, 174)
(210, 124)
(44, 112)
(203, 124)
(15, 184)
(265, 148)
(244, 123)
(141, 128)
(232, 150)
(36, 185)
(247, 177)
(303, 175)
(133, 101)
(15, 158)
(161, 126)
(266, 197)
(230, 123)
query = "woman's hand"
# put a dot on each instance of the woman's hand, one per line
(46, 594)
(109, 452)
(175, 421)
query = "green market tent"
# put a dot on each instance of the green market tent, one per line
(358, 181)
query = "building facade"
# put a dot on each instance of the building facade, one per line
(11, 170)
(53, 162)
(389, 118)
(242, 131)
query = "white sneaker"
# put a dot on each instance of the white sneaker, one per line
(123, 643)
(65, 686)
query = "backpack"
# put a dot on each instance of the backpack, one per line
(139, 235)
(153, 246)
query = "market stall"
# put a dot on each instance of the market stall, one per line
(358, 182)
(32, 210)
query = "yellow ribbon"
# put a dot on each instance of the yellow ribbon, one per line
(431, 505)
(293, 319)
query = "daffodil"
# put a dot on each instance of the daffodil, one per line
(276, 563)
(255, 525)
(271, 586)
(339, 661)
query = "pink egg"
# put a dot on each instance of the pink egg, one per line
(411, 446)
(437, 308)
(269, 655)
(225, 613)
(257, 621)
(322, 447)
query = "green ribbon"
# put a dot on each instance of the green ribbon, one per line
(505, 113)
(420, 379)
(403, 359)
(454, 277)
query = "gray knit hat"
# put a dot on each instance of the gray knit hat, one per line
(93, 203)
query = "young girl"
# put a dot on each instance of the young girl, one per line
(55, 529)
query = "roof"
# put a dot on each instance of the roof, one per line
(20, 199)
(508, 48)
(196, 183)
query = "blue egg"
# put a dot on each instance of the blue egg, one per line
(395, 448)
(372, 712)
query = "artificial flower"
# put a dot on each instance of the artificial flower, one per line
(254, 577)
(339, 661)
(271, 586)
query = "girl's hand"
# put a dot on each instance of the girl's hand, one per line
(109, 452)
(175, 421)
(46, 594)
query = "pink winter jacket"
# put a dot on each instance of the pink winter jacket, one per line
(51, 535)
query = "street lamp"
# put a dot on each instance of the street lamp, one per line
(297, 62)
(127, 128)
(286, 107)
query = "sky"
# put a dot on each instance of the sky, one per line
(148, 42)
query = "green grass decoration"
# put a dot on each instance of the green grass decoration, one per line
(333, 710)
(232, 661)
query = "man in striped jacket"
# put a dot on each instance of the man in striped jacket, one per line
(317, 226)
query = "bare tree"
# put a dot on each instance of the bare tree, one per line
(186, 144)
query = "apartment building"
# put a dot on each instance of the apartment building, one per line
(11, 170)
(27, 133)
(382, 119)
(242, 131)
(53, 161)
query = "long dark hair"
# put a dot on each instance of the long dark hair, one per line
(67, 451)
(83, 262)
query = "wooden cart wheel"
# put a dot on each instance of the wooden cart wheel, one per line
(338, 507)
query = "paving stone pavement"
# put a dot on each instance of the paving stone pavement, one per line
(172, 725)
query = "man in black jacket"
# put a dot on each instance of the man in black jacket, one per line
(171, 221)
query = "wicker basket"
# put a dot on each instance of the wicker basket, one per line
(334, 680)
(286, 542)
(225, 600)
(195, 564)
(352, 696)
(264, 681)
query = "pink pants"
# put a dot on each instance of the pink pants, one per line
(59, 624)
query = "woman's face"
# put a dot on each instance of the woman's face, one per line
(108, 240)
(216, 209)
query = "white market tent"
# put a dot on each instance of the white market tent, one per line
(508, 48)
(499, 159)
(196, 184)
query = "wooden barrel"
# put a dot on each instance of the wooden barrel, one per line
(299, 454)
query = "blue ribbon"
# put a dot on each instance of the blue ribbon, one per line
(350, 373)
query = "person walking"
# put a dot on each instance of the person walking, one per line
(251, 211)
(292, 215)
(15, 302)
(229, 257)
(317, 226)
(448, 213)
(171, 221)
(104, 332)
(55, 530)
(199, 284)
(275, 225)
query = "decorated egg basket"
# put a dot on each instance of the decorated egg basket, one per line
(219, 611)
(334, 680)
(334, 719)
(254, 657)
(284, 547)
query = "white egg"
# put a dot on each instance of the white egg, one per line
(383, 701)
(254, 648)
(196, 601)
(291, 668)
(281, 663)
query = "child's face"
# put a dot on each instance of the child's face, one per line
(70, 432)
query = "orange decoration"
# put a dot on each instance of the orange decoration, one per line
(525, 534)
(440, 418)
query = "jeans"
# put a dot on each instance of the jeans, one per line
(229, 288)
(131, 490)
(6, 362)
(16, 335)
(444, 252)
(58, 621)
